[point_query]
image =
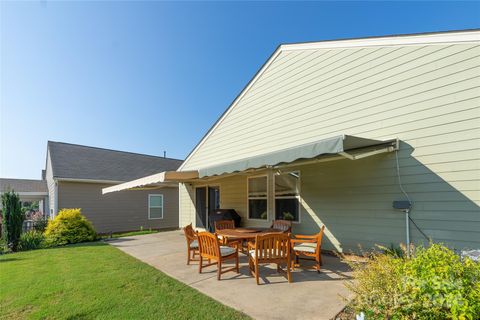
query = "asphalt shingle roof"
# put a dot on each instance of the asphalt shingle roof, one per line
(22, 185)
(82, 162)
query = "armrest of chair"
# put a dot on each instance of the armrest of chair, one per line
(305, 237)
(191, 238)
(251, 245)
(303, 240)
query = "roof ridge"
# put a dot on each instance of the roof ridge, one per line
(113, 150)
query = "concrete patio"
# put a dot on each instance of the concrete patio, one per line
(309, 296)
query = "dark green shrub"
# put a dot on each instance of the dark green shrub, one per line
(31, 240)
(434, 283)
(12, 219)
(3, 247)
(69, 226)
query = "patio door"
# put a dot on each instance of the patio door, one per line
(207, 199)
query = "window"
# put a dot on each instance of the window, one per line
(257, 198)
(155, 206)
(287, 196)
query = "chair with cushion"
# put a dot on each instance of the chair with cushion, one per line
(284, 225)
(270, 248)
(309, 247)
(192, 243)
(210, 249)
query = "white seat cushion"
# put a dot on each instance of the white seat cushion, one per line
(194, 244)
(309, 247)
(226, 251)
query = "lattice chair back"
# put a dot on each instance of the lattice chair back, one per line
(284, 225)
(224, 224)
(272, 247)
(208, 245)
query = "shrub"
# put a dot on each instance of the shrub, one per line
(3, 247)
(69, 226)
(31, 240)
(12, 219)
(433, 284)
(39, 221)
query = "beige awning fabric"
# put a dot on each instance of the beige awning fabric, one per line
(162, 179)
(350, 147)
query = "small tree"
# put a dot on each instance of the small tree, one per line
(12, 219)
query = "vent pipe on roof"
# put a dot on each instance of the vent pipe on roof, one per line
(164, 154)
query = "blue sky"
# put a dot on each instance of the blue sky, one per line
(152, 76)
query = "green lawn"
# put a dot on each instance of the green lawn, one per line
(129, 234)
(96, 281)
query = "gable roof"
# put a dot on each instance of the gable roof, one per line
(23, 185)
(443, 37)
(77, 162)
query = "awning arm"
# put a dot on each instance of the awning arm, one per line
(392, 145)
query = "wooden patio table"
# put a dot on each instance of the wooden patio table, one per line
(247, 233)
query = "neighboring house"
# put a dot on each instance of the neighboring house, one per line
(76, 174)
(28, 190)
(331, 133)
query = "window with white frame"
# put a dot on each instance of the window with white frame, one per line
(155, 206)
(257, 198)
(287, 196)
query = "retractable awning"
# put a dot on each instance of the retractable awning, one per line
(350, 147)
(158, 180)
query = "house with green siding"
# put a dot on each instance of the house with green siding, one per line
(334, 132)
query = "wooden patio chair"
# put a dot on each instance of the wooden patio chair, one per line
(309, 247)
(225, 224)
(284, 225)
(210, 249)
(192, 243)
(270, 248)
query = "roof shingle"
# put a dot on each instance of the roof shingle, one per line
(22, 185)
(82, 162)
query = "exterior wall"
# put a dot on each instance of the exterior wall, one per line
(51, 185)
(425, 95)
(186, 204)
(118, 211)
(354, 201)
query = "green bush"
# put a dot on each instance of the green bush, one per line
(433, 284)
(39, 221)
(3, 247)
(31, 240)
(69, 226)
(12, 219)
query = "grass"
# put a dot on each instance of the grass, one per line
(96, 281)
(129, 234)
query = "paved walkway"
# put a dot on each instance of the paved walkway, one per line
(309, 296)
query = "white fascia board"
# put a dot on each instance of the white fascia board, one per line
(401, 40)
(31, 193)
(88, 180)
